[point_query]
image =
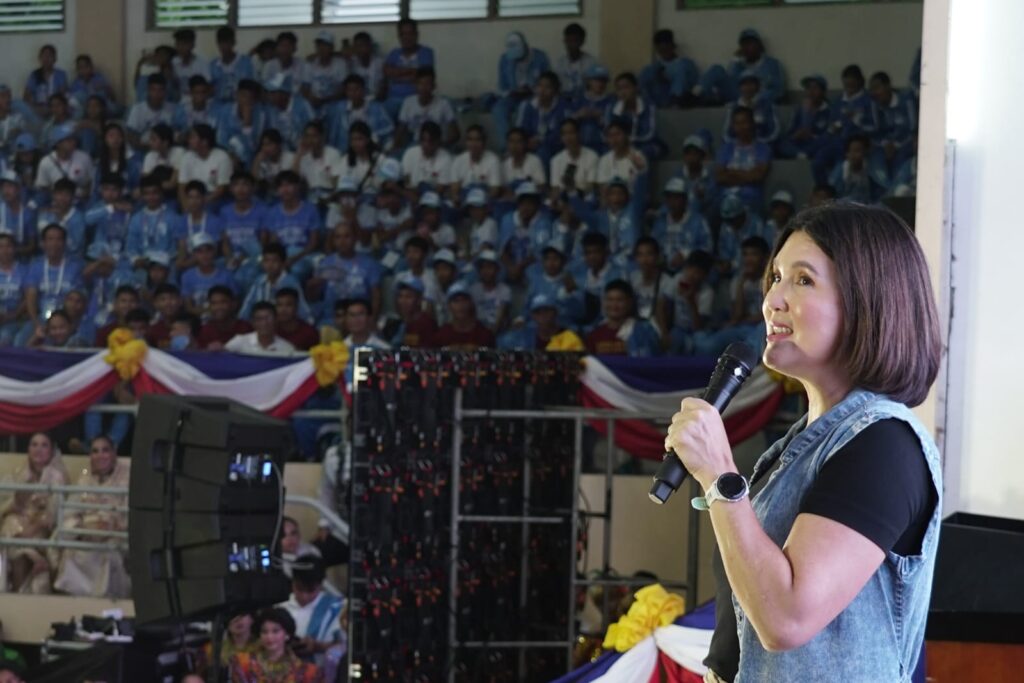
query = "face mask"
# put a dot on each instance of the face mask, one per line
(179, 342)
(515, 48)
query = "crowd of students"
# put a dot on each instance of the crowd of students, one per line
(263, 202)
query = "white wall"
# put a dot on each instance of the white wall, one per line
(806, 39)
(468, 49)
(20, 51)
(984, 400)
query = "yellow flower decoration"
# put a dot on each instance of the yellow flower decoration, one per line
(330, 361)
(566, 340)
(653, 608)
(125, 352)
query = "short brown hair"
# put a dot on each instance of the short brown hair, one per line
(890, 343)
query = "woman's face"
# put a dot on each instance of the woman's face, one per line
(273, 637)
(240, 625)
(40, 451)
(114, 138)
(102, 457)
(359, 143)
(802, 311)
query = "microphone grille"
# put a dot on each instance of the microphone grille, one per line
(742, 354)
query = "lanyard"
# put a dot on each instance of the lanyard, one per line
(60, 276)
(21, 222)
(202, 225)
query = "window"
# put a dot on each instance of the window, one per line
(448, 9)
(274, 12)
(31, 15)
(360, 11)
(533, 8)
(179, 13)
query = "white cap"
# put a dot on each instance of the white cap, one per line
(675, 185)
(200, 239)
(783, 196)
(325, 37)
(445, 256)
(476, 197)
(527, 188)
(431, 199)
(487, 255)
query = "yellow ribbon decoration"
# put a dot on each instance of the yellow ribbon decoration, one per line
(567, 340)
(653, 608)
(125, 352)
(330, 361)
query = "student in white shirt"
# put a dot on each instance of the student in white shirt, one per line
(425, 106)
(325, 73)
(271, 158)
(491, 297)
(318, 163)
(151, 111)
(622, 160)
(574, 169)
(263, 340)
(186, 63)
(287, 63)
(427, 165)
(368, 65)
(482, 228)
(65, 161)
(572, 66)
(520, 166)
(206, 163)
(477, 166)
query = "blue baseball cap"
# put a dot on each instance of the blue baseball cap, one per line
(410, 281)
(325, 37)
(61, 133)
(25, 142)
(97, 250)
(542, 301)
(732, 206)
(750, 34)
(814, 78)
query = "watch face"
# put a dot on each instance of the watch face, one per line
(731, 485)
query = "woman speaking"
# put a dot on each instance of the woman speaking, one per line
(825, 557)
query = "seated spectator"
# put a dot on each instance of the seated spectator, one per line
(45, 81)
(290, 326)
(153, 110)
(766, 121)
(17, 218)
(638, 116)
(544, 325)
(551, 280)
(155, 227)
(574, 169)
(62, 212)
(12, 123)
(895, 123)
(616, 222)
(445, 272)
(431, 227)
(747, 320)
(520, 165)
(368, 65)
(294, 223)
(591, 108)
(427, 166)
(65, 162)
(403, 63)
(50, 277)
(620, 332)
(168, 305)
(156, 62)
(464, 332)
(126, 300)
(229, 68)
(808, 135)
(186, 63)
(718, 85)
(286, 64)
(859, 177)
(904, 184)
(88, 572)
(415, 255)
(286, 111)
(241, 123)
(651, 284)
(393, 219)
(669, 79)
(622, 160)
(273, 279)
(30, 514)
(89, 82)
(591, 274)
(359, 164)
(13, 280)
(413, 327)
(108, 220)
(358, 324)
(107, 142)
(205, 163)
(425, 106)
(738, 223)
(197, 280)
(345, 274)
(198, 219)
(743, 163)
(184, 332)
(524, 232)
(317, 163)
(477, 168)
(482, 230)
(58, 332)
(355, 108)
(163, 160)
(780, 210)
(157, 272)
(325, 72)
(263, 340)
(270, 160)
(274, 656)
(243, 221)
(199, 106)
(222, 324)
(491, 298)
(692, 301)
(292, 544)
(853, 112)
(519, 69)
(59, 119)
(541, 118)
(678, 228)
(571, 67)
(83, 331)
(239, 638)
(25, 165)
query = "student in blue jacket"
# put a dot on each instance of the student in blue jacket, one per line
(519, 69)
(670, 78)
(719, 85)
(895, 115)
(809, 135)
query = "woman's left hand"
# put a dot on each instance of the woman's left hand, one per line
(697, 435)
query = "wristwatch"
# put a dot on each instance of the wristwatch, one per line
(730, 487)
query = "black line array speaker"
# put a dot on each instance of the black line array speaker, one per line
(205, 501)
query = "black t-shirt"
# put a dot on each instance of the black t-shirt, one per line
(878, 484)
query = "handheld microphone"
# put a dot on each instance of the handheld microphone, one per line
(732, 370)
